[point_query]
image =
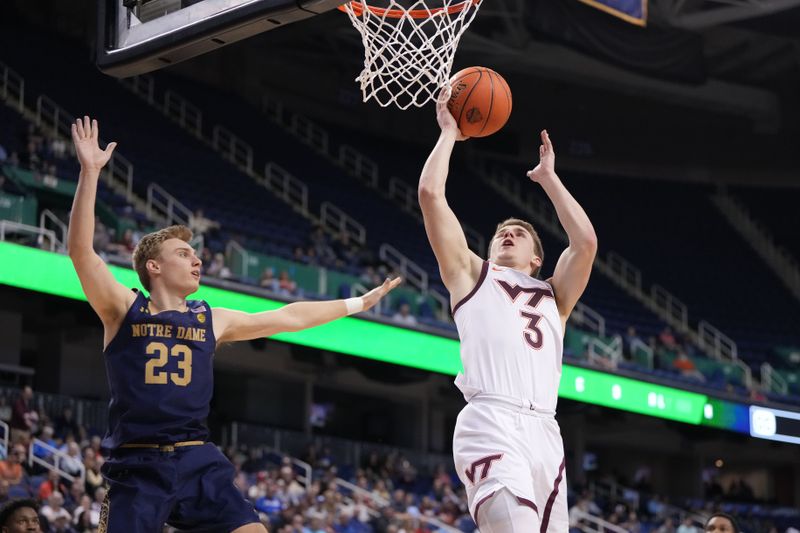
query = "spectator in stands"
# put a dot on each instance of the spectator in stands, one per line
(268, 280)
(20, 516)
(46, 436)
(74, 497)
(61, 525)
(45, 242)
(296, 526)
(657, 508)
(11, 468)
(667, 527)
(87, 515)
(65, 425)
(270, 503)
(631, 523)
(96, 444)
(5, 410)
(54, 508)
(200, 224)
(49, 172)
(206, 256)
(687, 526)
(369, 275)
(667, 339)
(102, 237)
(404, 316)
(58, 147)
(72, 463)
(293, 490)
(93, 463)
(756, 395)
(721, 523)
(321, 247)
(686, 367)
(22, 417)
(259, 488)
(350, 255)
(51, 485)
(627, 342)
(217, 268)
(301, 255)
(99, 499)
(286, 285)
(348, 523)
(124, 248)
(30, 157)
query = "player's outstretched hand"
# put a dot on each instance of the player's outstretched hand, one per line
(375, 295)
(85, 133)
(447, 122)
(547, 160)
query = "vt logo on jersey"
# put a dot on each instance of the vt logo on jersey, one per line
(486, 463)
(532, 334)
(537, 293)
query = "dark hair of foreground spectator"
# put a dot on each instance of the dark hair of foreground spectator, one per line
(12, 507)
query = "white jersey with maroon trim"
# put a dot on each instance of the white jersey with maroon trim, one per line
(511, 338)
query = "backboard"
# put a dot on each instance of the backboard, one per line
(139, 36)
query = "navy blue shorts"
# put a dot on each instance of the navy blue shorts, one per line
(190, 488)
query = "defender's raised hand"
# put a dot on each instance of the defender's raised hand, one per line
(547, 160)
(374, 296)
(85, 135)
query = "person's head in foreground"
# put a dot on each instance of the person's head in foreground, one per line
(20, 516)
(721, 523)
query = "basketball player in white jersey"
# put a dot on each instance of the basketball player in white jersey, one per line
(507, 445)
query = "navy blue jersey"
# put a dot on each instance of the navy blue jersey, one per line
(160, 374)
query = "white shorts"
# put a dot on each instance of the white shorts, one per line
(502, 442)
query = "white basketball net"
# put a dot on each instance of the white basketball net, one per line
(409, 50)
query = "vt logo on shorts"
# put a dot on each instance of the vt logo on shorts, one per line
(486, 463)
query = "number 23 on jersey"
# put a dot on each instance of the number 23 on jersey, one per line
(154, 376)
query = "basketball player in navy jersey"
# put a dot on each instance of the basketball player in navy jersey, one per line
(159, 360)
(507, 445)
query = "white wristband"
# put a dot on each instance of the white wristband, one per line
(354, 305)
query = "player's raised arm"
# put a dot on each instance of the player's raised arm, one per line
(458, 265)
(575, 264)
(230, 325)
(108, 298)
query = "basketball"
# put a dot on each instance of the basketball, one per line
(480, 101)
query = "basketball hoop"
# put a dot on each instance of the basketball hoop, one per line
(408, 51)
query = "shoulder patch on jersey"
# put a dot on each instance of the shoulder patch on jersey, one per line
(199, 309)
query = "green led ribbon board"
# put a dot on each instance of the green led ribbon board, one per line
(51, 273)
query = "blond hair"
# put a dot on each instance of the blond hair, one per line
(537, 242)
(150, 246)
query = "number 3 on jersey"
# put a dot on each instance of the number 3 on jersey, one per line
(152, 376)
(532, 334)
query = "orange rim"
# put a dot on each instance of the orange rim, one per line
(358, 9)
